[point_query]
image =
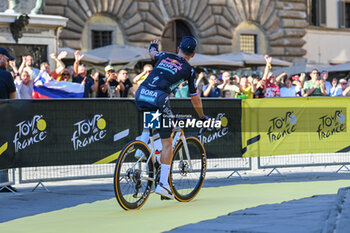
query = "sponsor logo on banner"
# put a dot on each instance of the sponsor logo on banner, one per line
(89, 131)
(281, 126)
(331, 124)
(219, 130)
(151, 120)
(30, 132)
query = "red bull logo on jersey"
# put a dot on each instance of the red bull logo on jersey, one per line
(171, 65)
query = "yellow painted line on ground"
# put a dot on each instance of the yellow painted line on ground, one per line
(109, 159)
(3, 148)
(158, 216)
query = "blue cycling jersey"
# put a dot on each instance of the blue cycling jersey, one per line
(169, 72)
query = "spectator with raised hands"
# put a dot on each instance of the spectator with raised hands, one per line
(27, 65)
(271, 87)
(212, 90)
(336, 89)
(80, 76)
(342, 88)
(56, 74)
(288, 90)
(328, 85)
(229, 84)
(110, 85)
(123, 79)
(315, 86)
(147, 69)
(298, 82)
(246, 90)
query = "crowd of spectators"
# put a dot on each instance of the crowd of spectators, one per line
(268, 86)
(118, 84)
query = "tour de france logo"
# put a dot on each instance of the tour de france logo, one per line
(282, 126)
(214, 133)
(30, 132)
(331, 124)
(89, 131)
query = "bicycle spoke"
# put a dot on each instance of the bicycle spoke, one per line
(187, 174)
(132, 183)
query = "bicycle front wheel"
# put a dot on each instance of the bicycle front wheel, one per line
(188, 171)
(133, 177)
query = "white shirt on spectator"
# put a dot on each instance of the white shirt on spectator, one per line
(336, 91)
(288, 92)
(25, 91)
(328, 87)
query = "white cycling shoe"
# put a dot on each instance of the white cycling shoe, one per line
(164, 191)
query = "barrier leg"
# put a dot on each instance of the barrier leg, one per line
(274, 169)
(343, 166)
(234, 173)
(42, 185)
(8, 188)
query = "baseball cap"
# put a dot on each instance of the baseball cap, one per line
(109, 68)
(188, 44)
(6, 53)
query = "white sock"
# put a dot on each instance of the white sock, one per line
(164, 174)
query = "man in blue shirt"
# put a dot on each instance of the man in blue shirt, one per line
(212, 90)
(153, 94)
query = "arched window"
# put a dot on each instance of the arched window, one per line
(99, 31)
(248, 37)
(173, 34)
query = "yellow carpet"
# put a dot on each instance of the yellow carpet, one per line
(157, 216)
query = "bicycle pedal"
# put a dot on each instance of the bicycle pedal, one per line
(164, 198)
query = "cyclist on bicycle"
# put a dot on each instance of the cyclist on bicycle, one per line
(153, 94)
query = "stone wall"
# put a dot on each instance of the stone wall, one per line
(23, 6)
(283, 22)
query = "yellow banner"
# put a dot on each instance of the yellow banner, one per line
(280, 126)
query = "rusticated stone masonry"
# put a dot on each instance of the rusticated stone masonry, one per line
(214, 21)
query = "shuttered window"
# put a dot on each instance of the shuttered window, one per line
(317, 12)
(344, 13)
(101, 38)
(248, 43)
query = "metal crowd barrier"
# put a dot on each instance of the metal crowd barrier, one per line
(234, 165)
(7, 177)
(304, 160)
(74, 172)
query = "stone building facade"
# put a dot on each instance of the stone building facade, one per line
(277, 26)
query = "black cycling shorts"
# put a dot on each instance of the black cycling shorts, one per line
(152, 100)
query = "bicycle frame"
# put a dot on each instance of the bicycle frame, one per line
(178, 134)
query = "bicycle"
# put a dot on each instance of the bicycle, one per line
(134, 175)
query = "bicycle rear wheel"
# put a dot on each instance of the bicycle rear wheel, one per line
(186, 181)
(133, 176)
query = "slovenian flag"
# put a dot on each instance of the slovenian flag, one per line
(48, 88)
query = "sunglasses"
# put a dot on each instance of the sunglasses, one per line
(65, 74)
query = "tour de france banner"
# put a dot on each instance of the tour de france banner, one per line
(219, 142)
(94, 131)
(282, 126)
(64, 132)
